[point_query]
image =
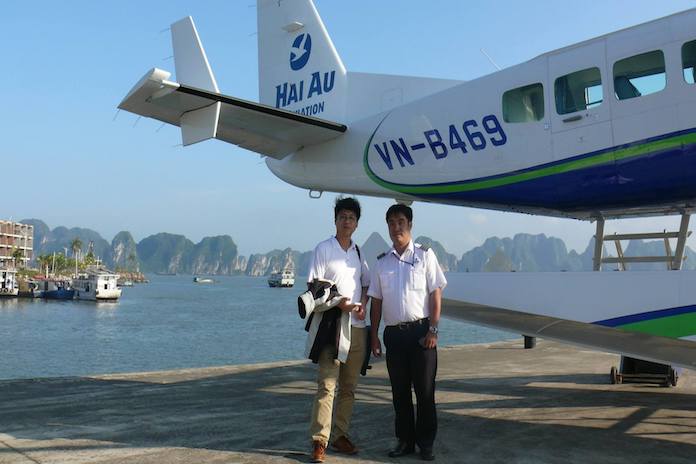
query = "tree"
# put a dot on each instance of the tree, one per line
(17, 255)
(60, 263)
(44, 262)
(89, 259)
(75, 246)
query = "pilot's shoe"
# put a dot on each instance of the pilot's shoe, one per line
(344, 445)
(426, 453)
(402, 449)
(318, 451)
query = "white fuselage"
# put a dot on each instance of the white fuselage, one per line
(617, 155)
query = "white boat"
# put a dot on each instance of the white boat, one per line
(285, 278)
(203, 280)
(8, 282)
(96, 284)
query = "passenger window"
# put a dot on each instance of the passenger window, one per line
(524, 104)
(578, 91)
(689, 60)
(639, 75)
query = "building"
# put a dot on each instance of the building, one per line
(16, 236)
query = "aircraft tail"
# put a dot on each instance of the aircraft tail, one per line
(299, 68)
(193, 69)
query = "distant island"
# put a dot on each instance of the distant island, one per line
(171, 253)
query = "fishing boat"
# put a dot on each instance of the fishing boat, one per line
(203, 280)
(28, 288)
(8, 282)
(55, 289)
(97, 284)
(285, 278)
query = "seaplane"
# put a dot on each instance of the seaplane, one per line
(601, 130)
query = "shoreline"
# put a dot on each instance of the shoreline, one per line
(221, 367)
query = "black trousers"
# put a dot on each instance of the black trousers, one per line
(409, 364)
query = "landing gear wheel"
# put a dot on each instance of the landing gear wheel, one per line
(673, 377)
(614, 376)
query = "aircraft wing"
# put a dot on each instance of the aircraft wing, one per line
(660, 349)
(204, 114)
(646, 315)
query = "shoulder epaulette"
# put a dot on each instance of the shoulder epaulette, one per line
(381, 255)
(423, 247)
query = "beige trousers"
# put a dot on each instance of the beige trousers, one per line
(332, 372)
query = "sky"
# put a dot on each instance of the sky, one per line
(69, 158)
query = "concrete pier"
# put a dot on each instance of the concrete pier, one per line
(496, 403)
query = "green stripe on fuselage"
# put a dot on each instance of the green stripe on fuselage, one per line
(680, 325)
(573, 165)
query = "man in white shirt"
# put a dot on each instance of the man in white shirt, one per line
(340, 357)
(406, 290)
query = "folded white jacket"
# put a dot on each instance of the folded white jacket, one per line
(321, 296)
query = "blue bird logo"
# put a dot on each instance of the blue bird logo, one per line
(299, 53)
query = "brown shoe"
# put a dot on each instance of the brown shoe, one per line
(344, 445)
(318, 451)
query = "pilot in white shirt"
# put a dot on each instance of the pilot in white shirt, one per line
(406, 291)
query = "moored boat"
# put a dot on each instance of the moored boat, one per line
(55, 289)
(285, 278)
(8, 282)
(28, 288)
(96, 284)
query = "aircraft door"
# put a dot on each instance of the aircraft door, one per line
(580, 111)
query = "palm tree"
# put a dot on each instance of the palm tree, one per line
(17, 255)
(44, 261)
(75, 246)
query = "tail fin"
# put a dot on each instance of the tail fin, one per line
(299, 68)
(190, 61)
(193, 69)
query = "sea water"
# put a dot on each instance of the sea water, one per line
(169, 323)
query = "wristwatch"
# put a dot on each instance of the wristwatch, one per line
(433, 329)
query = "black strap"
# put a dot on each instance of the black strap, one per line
(368, 351)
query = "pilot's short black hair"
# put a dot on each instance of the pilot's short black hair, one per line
(347, 203)
(400, 209)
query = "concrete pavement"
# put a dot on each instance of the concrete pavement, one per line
(496, 403)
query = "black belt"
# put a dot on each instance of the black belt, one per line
(410, 324)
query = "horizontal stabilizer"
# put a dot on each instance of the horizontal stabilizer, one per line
(256, 127)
